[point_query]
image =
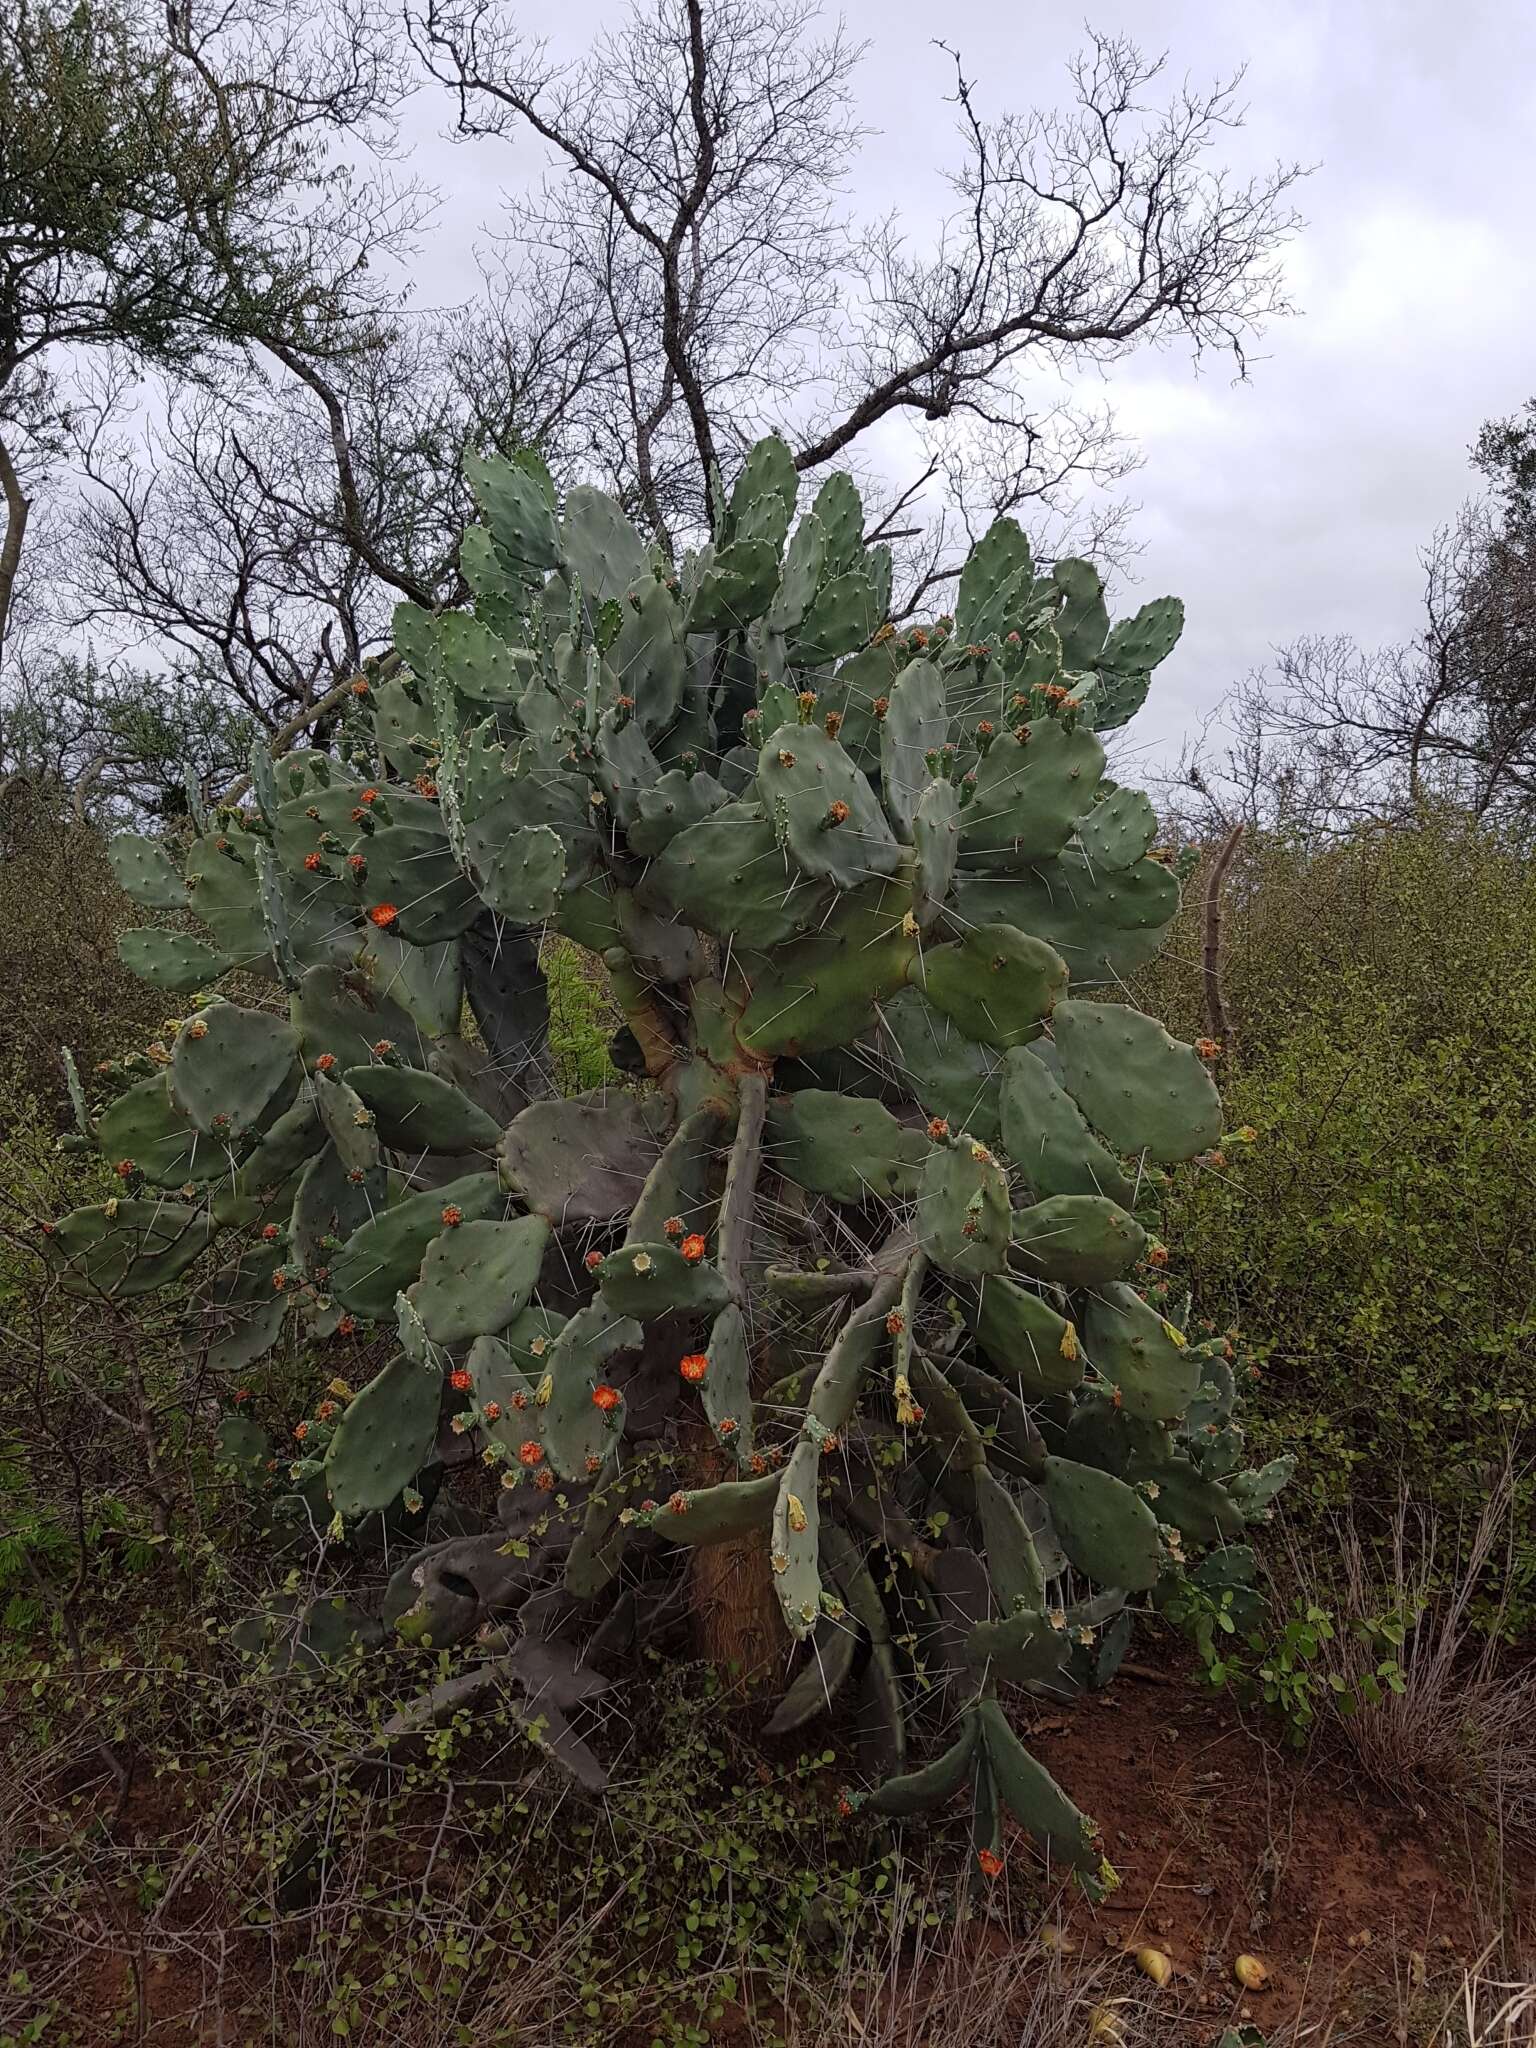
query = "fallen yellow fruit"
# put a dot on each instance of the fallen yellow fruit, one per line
(1251, 1973)
(1154, 1964)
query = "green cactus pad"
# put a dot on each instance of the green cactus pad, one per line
(721, 1513)
(962, 1209)
(384, 1256)
(1105, 1527)
(924, 1790)
(231, 1066)
(1045, 1135)
(1029, 796)
(599, 545)
(1038, 1803)
(1076, 1240)
(845, 1146)
(726, 1390)
(1149, 1363)
(916, 724)
(949, 1074)
(763, 498)
(350, 1124)
(1105, 923)
(997, 984)
(794, 1540)
(171, 960)
(1082, 622)
(384, 1438)
(1137, 644)
(520, 873)
(995, 585)
(650, 1280)
(729, 875)
(840, 513)
(347, 1015)
(736, 587)
(286, 1145)
(426, 981)
(936, 843)
(575, 1428)
(830, 817)
(650, 657)
(822, 990)
(477, 1277)
(674, 802)
(145, 871)
(842, 616)
(1118, 832)
(1013, 1563)
(329, 1203)
(419, 1112)
(677, 1188)
(221, 878)
(583, 1160)
(125, 1247)
(1141, 1088)
(144, 1125)
(804, 566)
(517, 510)
(411, 868)
(1025, 1340)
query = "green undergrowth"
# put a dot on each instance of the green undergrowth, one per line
(472, 1896)
(1376, 1242)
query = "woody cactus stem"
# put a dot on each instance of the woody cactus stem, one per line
(867, 1274)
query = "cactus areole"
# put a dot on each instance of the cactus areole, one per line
(858, 1271)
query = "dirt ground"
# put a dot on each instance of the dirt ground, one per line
(1226, 1842)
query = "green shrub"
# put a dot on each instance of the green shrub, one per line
(60, 916)
(1379, 1238)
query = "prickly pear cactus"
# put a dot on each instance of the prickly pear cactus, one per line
(865, 1269)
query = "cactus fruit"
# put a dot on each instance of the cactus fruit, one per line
(851, 887)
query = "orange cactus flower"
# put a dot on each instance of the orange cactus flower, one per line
(357, 862)
(492, 1411)
(383, 915)
(326, 1410)
(369, 796)
(530, 1454)
(312, 862)
(326, 1063)
(1208, 1048)
(837, 813)
(693, 1248)
(269, 1231)
(592, 1261)
(459, 1380)
(673, 1226)
(991, 1863)
(347, 1327)
(544, 1481)
(300, 1431)
(937, 1128)
(678, 1503)
(360, 686)
(453, 1216)
(125, 1169)
(693, 1367)
(594, 1463)
(727, 1425)
(607, 1398)
(895, 1323)
(1157, 1255)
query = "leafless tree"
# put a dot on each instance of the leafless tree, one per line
(1337, 734)
(697, 159)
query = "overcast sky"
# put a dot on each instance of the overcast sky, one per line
(1299, 500)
